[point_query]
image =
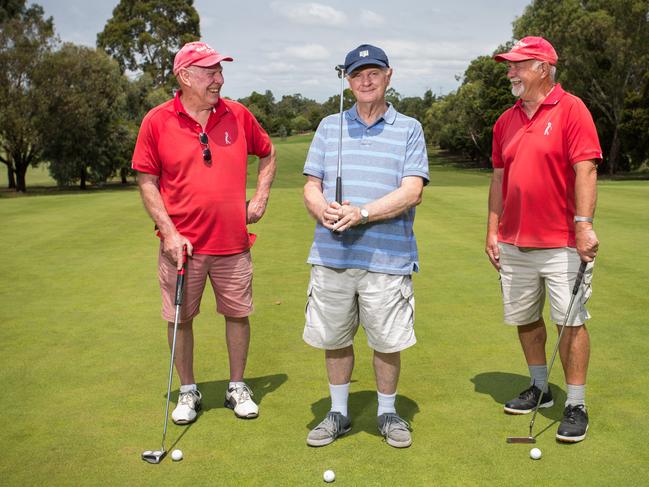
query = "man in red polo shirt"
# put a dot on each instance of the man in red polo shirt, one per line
(540, 223)
(191, 157)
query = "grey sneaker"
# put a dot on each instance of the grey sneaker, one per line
(395, 430)
(333, 426)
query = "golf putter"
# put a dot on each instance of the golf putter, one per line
(339, 184)
(156, 456)
(575, 289)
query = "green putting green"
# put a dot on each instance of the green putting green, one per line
(84, 359)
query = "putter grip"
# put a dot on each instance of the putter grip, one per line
(580, 276)
(339, 190)
(180, 279)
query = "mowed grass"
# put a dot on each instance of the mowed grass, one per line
(84, 359)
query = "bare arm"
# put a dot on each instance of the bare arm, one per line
(266, 174)
(493, 217)
(392, 204)
(585, 201)
(172, 241)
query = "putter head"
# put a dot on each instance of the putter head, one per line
(340, 69)
(154, 456)
(521, 439)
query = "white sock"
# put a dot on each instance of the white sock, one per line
(386, 403)
(187, 388)
(234, 385)
(339, 396)
(576, 395)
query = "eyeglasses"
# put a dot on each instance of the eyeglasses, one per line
(207, 153)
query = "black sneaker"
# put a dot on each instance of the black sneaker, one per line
(526, 401)
(574, 424)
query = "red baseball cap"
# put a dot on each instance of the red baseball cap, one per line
(197, 54)
(530, 48)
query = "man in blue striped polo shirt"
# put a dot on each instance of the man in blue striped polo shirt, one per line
(364, 249)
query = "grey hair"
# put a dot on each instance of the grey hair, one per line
(553, 69)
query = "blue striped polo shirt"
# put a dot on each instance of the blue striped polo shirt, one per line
(374, 161)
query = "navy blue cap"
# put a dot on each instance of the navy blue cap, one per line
(363, 55)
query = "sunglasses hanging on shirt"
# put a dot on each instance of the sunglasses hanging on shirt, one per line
(207, 153)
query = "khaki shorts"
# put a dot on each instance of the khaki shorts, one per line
(230, 276)
(526, 273)
(341, 299)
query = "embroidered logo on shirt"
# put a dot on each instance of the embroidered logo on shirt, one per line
(364, 53)
(548, 129)
(227, 138)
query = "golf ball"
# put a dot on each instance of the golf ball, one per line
(329, 476)
(535, 453)
(177, 455)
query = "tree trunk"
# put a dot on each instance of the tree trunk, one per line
(123, 173)
(82, 178)
(11, 177)
(20, 178)
(614, 153)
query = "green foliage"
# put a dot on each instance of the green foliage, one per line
(87, 136)
(462, 122)
(25, 37)
(10, 9)
(603, 48)
(144, 35)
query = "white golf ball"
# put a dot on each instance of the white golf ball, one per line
(329, 476)
(535, 453)
(177, 455)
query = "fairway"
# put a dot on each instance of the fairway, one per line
(84, 360)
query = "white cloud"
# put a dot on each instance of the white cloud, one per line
(307, 52)
(371, 19)
(447, 51)
(310, 13)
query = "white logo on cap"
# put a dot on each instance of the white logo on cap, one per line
(364, 53)
(519, 44)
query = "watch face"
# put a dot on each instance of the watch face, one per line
(364, 213)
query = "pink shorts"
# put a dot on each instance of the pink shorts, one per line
(230, 276)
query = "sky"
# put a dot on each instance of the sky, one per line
(292, 47)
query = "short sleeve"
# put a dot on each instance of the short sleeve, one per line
(315, 159)
(416, 163)
(145, 155)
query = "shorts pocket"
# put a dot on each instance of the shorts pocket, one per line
(408, 295)
(586, 284)
(309, 292)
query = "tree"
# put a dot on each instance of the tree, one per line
(634, 129)
(144, 35)
(81, 100)
(25, 37)
(603, 48)
(463, 121)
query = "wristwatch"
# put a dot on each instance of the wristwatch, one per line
(586, 219)
(365, 216)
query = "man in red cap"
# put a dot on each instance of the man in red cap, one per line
(540, 223)
(191, 157)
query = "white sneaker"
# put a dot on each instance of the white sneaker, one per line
(188, 404)
(240, 400)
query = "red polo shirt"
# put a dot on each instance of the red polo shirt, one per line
(538, 155)
(206, 201)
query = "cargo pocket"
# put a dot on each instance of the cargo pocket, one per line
(309, 292)
(408, 296)
(586, 284)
